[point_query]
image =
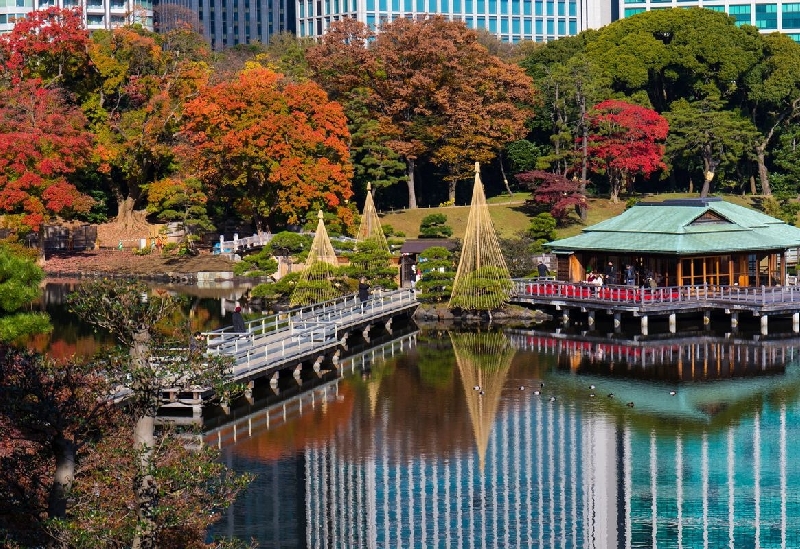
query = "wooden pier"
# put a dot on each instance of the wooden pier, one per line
(564, 297)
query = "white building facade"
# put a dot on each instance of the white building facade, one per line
(97, 14)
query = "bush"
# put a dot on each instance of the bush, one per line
(434, 226)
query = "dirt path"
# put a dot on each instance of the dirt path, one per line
(116, 262)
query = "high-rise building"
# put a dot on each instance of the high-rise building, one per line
(97, 14)
(766, 15)
(509, 20)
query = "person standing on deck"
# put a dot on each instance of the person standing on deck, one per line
(363, 291)
(611, 274)
(238, 321)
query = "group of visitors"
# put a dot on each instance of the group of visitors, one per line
(611, 276)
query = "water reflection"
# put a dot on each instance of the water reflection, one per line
(412, 455)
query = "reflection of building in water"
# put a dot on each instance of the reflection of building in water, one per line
(689, 358)
(569, 473)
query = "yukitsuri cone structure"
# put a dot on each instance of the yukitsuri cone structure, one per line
(370, 228)
(315, 283)
(483, 361)
(482, 280)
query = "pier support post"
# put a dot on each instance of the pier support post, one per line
(318, 365)
(248, 393)
(672, 323)
(734, 321)
(764, 325)
(591, 320)
(298, 370)
(388, 325)
(365, 332)
(644, 321)
(706, 320)
(617, 323)
(335, 357)
(565, 317)
(796, 322)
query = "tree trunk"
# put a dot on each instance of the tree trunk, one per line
(412, 196)
(64, 451)
(451, 191)
(763, 174)
(708, 175)
(615, 182)
(125, 211)
(503, 172)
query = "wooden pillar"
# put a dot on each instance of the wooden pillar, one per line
(707, 320)
(644, 324)
(796, 322)
(734, 320)
(764, 325)
(672, 323)
(565, 316)
(617, 323)
(591, 320)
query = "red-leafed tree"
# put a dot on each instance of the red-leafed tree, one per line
(42, 141)
(50, 45)
(625, 140)
(278, 148)
(560, 194)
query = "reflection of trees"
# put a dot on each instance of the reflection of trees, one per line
(483, 360)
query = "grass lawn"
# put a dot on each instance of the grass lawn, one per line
(509, 218)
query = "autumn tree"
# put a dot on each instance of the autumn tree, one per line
(137, 106)
(557, 193)
(625, 141)
(436, 92)
(49, 45)
(278, 148)
(43, 141)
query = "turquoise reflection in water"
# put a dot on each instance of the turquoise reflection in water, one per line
(514, 469)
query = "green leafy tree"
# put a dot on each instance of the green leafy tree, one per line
(438, 273)
(150, 363)
(183, 201)
(435, 226)
(703, 137)
(19, 285)
(543, 228)
(519, 254)
(372, 260)
(260, 263)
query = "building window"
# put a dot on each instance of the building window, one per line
(493, 6)
(741, 13)
(791, 16)
(767, 16)
(633, 11)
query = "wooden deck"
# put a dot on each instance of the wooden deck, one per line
(673, 300)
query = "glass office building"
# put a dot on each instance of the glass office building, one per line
(509, 20)
(766, 16)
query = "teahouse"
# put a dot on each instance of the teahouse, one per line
(682, 242)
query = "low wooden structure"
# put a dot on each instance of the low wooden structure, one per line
(682, 242)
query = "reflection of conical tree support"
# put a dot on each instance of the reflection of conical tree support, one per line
(370, 227)
(315, 283)
(482, 281)
(379, 371)
(483, 360)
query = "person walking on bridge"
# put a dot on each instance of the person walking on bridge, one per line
(363, 291)
(238, 321)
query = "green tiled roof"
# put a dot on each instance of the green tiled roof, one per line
(679, 227)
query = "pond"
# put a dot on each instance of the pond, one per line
(532, 439)
(511, 438)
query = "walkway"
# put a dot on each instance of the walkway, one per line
(277, 341)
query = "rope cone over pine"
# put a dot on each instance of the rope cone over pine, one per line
(484, 360)
(482, 281)
(370, 228)
(315, 284)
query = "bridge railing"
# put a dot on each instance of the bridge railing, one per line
(763, 295)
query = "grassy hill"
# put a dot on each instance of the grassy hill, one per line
(510, 218)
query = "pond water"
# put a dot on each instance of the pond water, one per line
(514, 438)
(511, 439)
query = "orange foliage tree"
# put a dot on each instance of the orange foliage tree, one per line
(277, 148)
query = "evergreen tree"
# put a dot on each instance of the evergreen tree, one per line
(438, 272)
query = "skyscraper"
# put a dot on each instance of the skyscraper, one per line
(97, 14)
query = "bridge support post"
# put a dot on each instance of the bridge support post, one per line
(672, 323)
(388, 325)
(644, 322)
(565, 317)
(248, 393)
(335, 357)
(590, 320)
(273, 382)
(764, 325)
(617, 322)
(318, 365)
(706, 320)
(734, 321)
(796, 322)
(365, 332)
(298, 370)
